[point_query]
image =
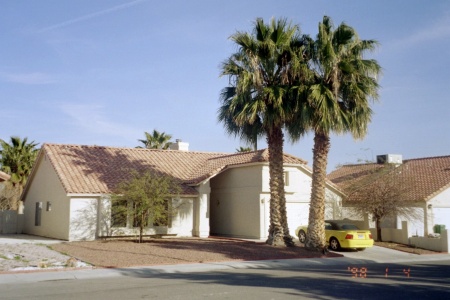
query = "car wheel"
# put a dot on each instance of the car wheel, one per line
(302, 236)
(334, 244)
(360, 249)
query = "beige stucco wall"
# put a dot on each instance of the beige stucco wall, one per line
(202, 212)
(416, 221)
(183, 219)
(45, 186)
(235, 204)
(441, 200)
(240, 200)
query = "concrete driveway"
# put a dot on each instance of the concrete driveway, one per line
(383, 255)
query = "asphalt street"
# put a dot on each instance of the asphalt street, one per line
(329, 279)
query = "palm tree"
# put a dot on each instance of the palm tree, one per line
(339, 102)
(248, 132)
(243, 149)
(17, 159)
(157, 140)
(257, 102)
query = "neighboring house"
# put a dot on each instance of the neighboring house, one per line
(67, 194)
(428, 189)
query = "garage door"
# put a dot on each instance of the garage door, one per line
(441, 216)
(297, 214)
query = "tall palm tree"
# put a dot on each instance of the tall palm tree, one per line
(257, 102)
(17, 159)
(156, 140)
(246, 131)
(338, 102)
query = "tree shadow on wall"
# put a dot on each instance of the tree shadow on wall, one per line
(99, 170)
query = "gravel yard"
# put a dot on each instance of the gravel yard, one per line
(29, 256)
(126, 253)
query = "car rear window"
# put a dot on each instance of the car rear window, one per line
(349, 227)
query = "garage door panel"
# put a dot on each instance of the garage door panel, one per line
(297, 214)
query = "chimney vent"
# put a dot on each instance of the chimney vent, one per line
(179, 145)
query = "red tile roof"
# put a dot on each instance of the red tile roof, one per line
(96, 169)
(427, 176)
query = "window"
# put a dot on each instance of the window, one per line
(37, 214)
(163, 219)
(140, 215)
(128, 214)
(119, 214)
(286, 178)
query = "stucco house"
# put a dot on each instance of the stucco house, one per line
(427, 190)
(67, 194)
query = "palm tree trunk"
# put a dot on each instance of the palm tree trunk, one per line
(18, 189)
(278, 229)
(315, 238)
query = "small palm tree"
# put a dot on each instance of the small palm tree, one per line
(243, 149)
(156, 140)
(338, 101)
(257, 102)
(17, 159)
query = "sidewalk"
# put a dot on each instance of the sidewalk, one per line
(26, 238)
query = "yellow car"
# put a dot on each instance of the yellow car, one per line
(341, 234)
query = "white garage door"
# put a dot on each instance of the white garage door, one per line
(441, 216)
(297, 214)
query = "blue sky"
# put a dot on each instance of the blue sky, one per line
(101, 72)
